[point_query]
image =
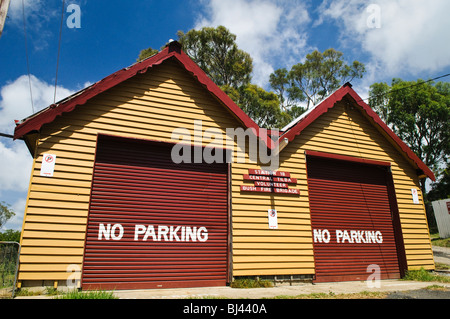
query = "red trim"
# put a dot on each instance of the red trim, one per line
(396, 223)
(155, 285)
(157, 268)
(338, 197)
(347, 158)
(337, 96)
(173, 50)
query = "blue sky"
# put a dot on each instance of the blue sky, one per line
(411, 41)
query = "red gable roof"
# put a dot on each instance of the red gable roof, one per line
(172, 50)
(339, 95)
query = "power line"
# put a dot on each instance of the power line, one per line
(9, 136)
(406, 87)
(59, 49)
(26, 54)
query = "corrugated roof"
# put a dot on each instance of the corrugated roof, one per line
(296, 127)
(173, 50)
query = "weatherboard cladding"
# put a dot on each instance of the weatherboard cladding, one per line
(345, 130)
(150, 106)
(56, 216)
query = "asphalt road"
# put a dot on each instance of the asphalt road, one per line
(420, 294)
(396, 289)
(441, 255)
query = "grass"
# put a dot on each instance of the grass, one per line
(94, 294)
(445, 242)
(332, 295)
(26, 292)
(424, 275)
(251, 283)
(437, 241)
(441, 266)
(321, 295)
(72, 294)
(437, 287)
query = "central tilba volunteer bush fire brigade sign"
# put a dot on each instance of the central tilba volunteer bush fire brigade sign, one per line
(270, 182)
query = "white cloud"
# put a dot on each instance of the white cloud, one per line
(39, 21)
(18, 208)
(15, 11)
(15, 159)
(270, 31)
(15, 103)
(15, 166)
(412, 38)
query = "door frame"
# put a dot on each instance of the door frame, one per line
(392, 197)
(153, 141)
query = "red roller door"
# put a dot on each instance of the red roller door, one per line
(351, 220)
(153, 223)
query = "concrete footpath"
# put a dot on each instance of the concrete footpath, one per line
(259, 293)
(441, 255)
(282, 290)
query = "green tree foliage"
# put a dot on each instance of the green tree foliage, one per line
(288, 94)
(441, 188)
(10, 235)
(146, 53)
(262, 106)
(216, 52)
(315, 79)
(419, 113)
(5, 213)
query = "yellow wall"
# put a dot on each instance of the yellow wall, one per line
(148, 106)
(288, 250)
(151, 106)
(346, 131)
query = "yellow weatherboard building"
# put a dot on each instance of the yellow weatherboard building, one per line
(109, 208)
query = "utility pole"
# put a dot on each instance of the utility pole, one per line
(4, 5)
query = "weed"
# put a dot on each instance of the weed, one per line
(26, 292)
(251, 283)
(424, 275)
(332, 295)
(51, 291)
(436, 287)
(94, 294)
(441, 266)
(445, 242)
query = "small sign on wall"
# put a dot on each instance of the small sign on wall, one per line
(269, 182)
(273, 219)
(415, 195)
(48, 165)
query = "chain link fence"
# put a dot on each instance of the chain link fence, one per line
(9, 264)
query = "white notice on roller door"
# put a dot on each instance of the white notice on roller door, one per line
(48, 165)
(273, 222)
